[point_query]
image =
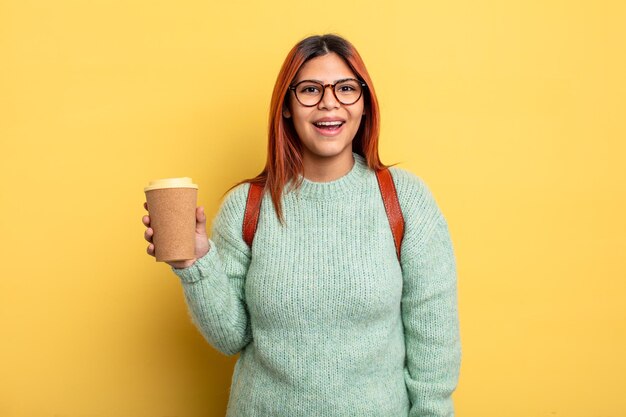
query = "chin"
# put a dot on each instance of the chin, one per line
(328, 152)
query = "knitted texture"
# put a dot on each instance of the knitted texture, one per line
(326, 320)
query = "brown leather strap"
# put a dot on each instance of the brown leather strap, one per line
(253, 209)
(387, 190)
(392, 207)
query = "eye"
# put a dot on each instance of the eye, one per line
(309, 89)
(348, 89)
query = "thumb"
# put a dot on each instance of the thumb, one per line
(200, 221)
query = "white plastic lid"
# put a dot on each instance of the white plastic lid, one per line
(184, 182)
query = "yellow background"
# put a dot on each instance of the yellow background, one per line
(512, 112)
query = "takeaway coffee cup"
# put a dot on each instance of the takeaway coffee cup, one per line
(172, 208)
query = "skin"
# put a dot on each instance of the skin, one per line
(202, 243)
(324, 158)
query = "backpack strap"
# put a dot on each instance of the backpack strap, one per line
(387, 190)
(253, 208)
(392, 207)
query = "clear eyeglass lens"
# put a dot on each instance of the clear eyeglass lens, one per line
(309, 93)
(348, 92)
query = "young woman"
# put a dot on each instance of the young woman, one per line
(329, 319)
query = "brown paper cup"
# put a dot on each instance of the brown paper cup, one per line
(172, 208)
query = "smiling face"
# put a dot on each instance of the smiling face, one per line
(322, 140)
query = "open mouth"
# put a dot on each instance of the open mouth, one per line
(329, 126)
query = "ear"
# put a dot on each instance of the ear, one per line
(286, 113)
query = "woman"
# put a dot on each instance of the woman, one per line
(327, 319)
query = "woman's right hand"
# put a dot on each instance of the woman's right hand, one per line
(202, 242)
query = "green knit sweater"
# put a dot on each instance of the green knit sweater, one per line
(326, 320)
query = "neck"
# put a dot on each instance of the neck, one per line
(327, 169)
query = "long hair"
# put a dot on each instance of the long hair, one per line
(284, 154)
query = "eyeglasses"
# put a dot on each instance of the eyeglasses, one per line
(309, 93)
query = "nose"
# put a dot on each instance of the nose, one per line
(328, 101)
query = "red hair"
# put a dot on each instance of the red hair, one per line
(284, 155)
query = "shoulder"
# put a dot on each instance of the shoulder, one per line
(229, 217)
(419, 208)
(236, 197)
(414, 193)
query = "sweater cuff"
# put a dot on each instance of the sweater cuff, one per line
(202, 268)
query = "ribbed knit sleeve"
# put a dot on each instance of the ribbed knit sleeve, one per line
(214, 284)
(429, 302)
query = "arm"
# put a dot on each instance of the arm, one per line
(214, 285)
(431, 326)
(429, 301)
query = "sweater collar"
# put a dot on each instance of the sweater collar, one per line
(336, 188)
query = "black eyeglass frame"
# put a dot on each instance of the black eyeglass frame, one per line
(361, 83)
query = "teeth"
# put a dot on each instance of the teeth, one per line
(337, 123)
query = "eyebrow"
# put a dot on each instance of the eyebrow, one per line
(321, 82)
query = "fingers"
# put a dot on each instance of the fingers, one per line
(150, 249)
(148, 234)
(200, 220)
(145, 219)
